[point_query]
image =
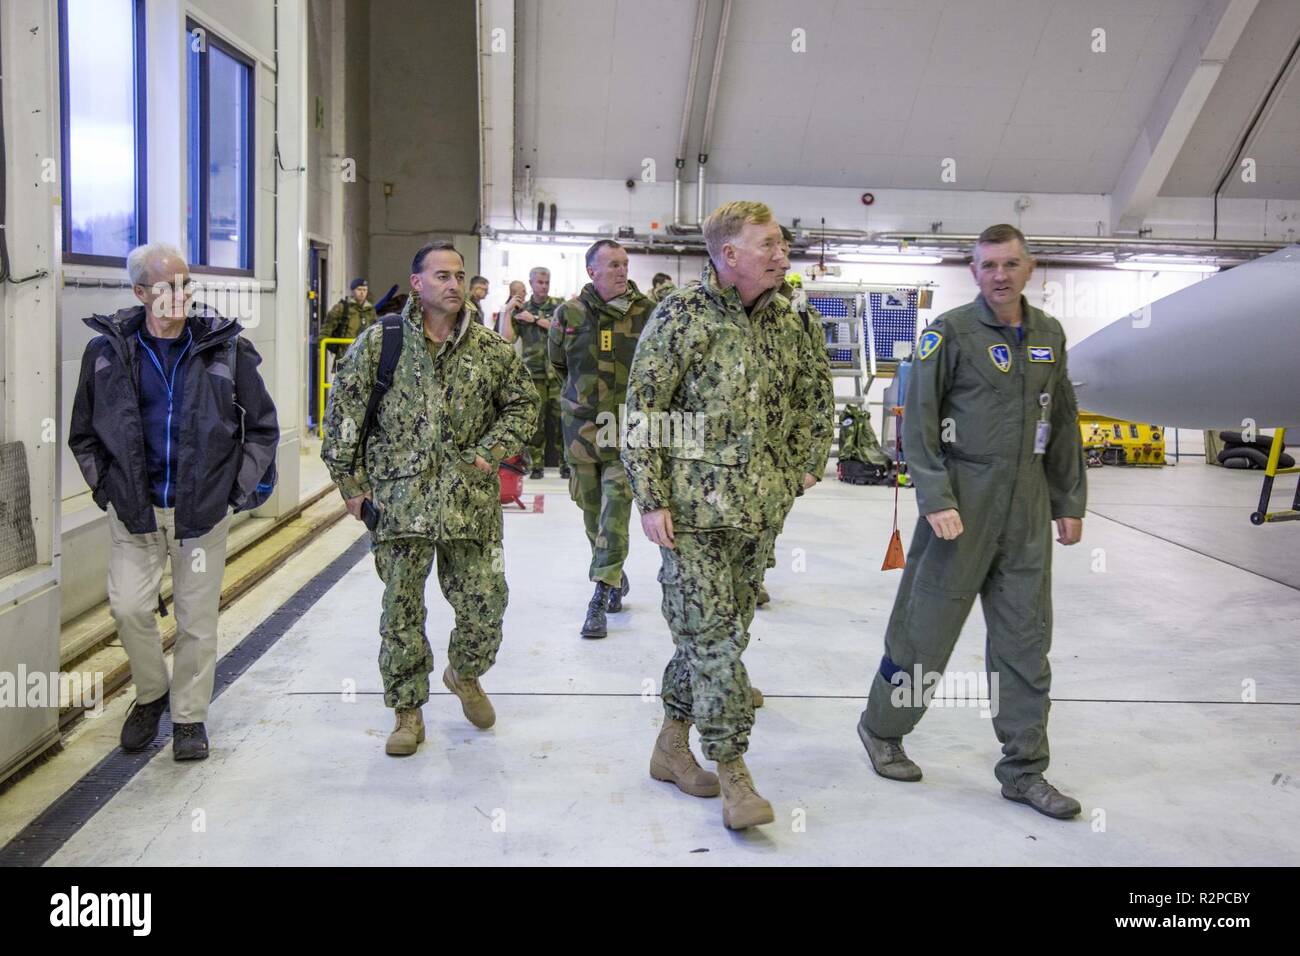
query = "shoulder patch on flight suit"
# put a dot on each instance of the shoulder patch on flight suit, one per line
(928, 344)
(1041, 353)
(1001, 356)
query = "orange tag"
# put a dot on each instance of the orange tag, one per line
(894, 553)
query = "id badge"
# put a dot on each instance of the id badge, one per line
(1041, 434)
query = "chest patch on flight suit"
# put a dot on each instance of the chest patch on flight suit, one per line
(928, 344)
(1001, 356)
(1041, 353)
(606, 340)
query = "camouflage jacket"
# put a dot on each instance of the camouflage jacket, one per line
(823, 409)
(347, 320)
(530, 338)
(591, 345)
(474, 398)
(717, 408)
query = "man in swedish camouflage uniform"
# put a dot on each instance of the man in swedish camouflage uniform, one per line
(350, 316)
(459, 403)
(809, 470)
(725, 360)
(591, 342)
(528, 327)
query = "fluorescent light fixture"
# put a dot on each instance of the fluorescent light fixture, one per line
(889, 258)
(1152, 265)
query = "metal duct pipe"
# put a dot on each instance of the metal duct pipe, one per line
(708, 111)
(1101, 243)
(687, 108)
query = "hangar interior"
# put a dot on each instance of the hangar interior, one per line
(1147, 149)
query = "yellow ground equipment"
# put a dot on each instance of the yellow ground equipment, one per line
(1271, 471)
(1109, 441)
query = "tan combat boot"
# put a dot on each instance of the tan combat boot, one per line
(473, 702)
(673, 761)
(742, 807)
(407, 734)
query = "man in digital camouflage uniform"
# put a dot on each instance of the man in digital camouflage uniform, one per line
(991, 437)
(528, 327)
(716, 365)
(460, 402)
(591, 341)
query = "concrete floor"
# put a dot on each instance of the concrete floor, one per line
(1148, 728)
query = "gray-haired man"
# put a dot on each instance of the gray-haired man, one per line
(173, 430)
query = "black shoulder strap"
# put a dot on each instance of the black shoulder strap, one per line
(389, 351)
(803, 314)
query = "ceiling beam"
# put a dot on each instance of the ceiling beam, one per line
(1173, 114)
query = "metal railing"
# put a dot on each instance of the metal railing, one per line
(323, 383)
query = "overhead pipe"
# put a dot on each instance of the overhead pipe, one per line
(1054, 248)
(688, 107)
(707, 135)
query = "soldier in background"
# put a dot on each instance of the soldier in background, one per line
(728, 355)
(591, 343)
(350, 315)
(478, 290)
(459, 403)
(528, 326)
(661, 286)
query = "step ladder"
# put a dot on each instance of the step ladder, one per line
(870, 327)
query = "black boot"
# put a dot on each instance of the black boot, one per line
(594, 625)
(564, 471)
(141, 725)
(616, 595)
(189, 742)
(535, 473)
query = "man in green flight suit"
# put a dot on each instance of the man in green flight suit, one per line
(591, 342)
(716, 366)
(460, 402)
(991, 437)
(530, 326)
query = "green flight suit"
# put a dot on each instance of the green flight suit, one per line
(969, 423)
(717, 406)
(449, 402)
(531, 346)
(591, 344)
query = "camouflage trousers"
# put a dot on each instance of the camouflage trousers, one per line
(548, 418)
(710, 582)
(767, 540)
(474, 584)
(603, 493)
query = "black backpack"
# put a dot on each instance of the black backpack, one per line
(389, 351)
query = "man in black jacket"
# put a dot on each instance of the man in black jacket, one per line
(173, 430)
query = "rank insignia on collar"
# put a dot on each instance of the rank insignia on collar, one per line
(928, 344)
(1041, 353)
(1001, 356)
